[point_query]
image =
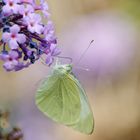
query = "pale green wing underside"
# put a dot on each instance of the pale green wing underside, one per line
(58, 98)
(85, 122)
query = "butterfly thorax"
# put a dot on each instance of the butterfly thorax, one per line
(62, 69)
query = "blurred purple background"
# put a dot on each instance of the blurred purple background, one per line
(112, 82)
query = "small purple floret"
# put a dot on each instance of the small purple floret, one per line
(24, 35)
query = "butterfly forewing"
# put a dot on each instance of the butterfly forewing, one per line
(58, 98)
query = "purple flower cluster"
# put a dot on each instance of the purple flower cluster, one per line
(24, 36)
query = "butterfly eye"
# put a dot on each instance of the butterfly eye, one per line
(68, 68)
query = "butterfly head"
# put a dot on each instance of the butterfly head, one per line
(63, 69)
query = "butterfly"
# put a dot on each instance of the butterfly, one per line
(62, 98)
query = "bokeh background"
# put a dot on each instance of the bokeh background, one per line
(112, 82)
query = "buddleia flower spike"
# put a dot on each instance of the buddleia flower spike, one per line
(24, 35)
(7, 131)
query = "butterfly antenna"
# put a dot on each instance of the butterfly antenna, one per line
(79, 60)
